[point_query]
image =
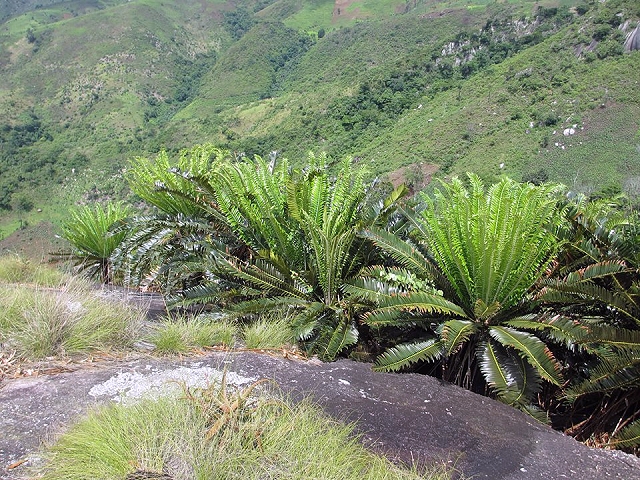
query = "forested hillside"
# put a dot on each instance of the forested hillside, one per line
(537, 91)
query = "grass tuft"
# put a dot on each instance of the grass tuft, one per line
(180, 334)
(269, 437)
(16, 269)
(40, 323)
(268, 331)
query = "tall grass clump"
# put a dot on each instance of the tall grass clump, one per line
(16, 269)
(271, 330)
(189, 437)
(39, 323)
(182, 333)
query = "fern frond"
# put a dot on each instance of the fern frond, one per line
(618, 372)
(402, 252)
(343, 335)
(418, 303)
(561, 329)
(510, 376)
(308, 320)
(454, 333)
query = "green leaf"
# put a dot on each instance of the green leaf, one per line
(391, 308)
(343, 335)
(510, 376)
(532, 349)
(304, 324)
(627, 437)
(454, 333)
(406, 354)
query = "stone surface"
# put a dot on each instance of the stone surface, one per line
(407, 417)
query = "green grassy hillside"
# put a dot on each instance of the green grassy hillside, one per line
(538, 90)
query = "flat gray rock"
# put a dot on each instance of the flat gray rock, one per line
(407, 417)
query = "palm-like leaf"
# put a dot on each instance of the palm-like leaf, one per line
(406, 354)
(90, 231)
(391, 308)
(629, 436)
(454, 333)
(510, 376)
(531, 348)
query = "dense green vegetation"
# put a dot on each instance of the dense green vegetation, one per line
(483, 87)
(519, 291)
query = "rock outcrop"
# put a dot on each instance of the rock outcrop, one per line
(633, 40)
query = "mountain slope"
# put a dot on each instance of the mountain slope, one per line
(531, 91)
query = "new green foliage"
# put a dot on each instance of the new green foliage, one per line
(88, 230)
(480, 252)
(277, 238)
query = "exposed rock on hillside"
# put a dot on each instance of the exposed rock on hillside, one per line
(633, 40)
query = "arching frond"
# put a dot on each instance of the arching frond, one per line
(618, 372)
(531, 348)
(308, 320)
(342, 336)
(406, 354)
(454, 333)
(402, 252)
(564, 330)
(509, 375)
(627, 437)
(390, 309)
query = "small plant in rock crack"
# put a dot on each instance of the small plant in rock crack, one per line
(232, 409)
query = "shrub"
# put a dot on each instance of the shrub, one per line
(89, 232)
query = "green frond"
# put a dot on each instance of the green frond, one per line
(368, 289)
(618, 372)
(262, 275)
(620, 338)
(203, 293)
(406, 354)
(484, 312)
(595, 271)
(343, 335)
(454, 333)
(491, 245)
(561, 329)
(511, 377)
(391, 308)
(266, 304)
(307, 321)
(586, 293)
(402, 252)
(531, 348)
(627, 437)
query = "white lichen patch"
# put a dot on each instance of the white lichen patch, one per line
(129, 387)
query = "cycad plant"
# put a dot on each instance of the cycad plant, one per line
(275, 238)
(89, 231)
(466, 270)
(595, 278)
(168, 234)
